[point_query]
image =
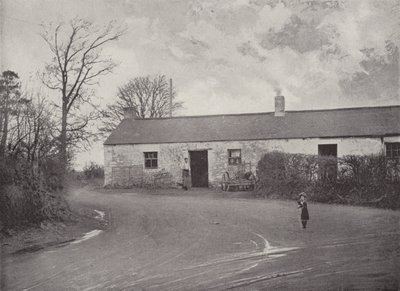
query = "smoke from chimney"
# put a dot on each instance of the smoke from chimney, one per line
(279, 103)
(170, 97)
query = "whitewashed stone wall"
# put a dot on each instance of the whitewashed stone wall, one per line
(392, 139)
(170, 155)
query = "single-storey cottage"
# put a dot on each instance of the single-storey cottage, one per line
(141, 150)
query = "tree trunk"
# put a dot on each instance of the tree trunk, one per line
(63, 140)
(1, 128)
(3, 142)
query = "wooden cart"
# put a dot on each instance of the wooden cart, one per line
(238, 178)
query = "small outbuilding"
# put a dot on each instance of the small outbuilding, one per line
(151, 151)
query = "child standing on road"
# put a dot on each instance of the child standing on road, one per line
(302, 204)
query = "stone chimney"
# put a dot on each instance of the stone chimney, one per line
(279, 106)
(129, 113)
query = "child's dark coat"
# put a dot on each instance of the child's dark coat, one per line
(304, 211)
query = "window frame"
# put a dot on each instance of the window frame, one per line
(389, 153)
(234, 160)
(153, 159)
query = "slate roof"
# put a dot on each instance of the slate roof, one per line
(345, 122)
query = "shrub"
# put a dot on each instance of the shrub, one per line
(27, 196)
(52, 173)
(271, 172)
(370, 180)
(6, 174)
(93, 170)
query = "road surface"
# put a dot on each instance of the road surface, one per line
(200, 241)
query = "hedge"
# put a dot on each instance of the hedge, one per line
(29, 197)
(368, 180)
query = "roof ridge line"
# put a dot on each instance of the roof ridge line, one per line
(271, 112)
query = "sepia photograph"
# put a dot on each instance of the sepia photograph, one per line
(188, 145)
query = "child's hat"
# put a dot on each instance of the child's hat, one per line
(303, 194)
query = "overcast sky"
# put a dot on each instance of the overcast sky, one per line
(229, 56)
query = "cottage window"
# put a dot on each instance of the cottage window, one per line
(393, 150)
(150, 160)
(234, 157)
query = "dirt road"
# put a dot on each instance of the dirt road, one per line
(201, 241)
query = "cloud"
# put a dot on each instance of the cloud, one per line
(236, 61)
(360, 25)
(209, 97)
(305, 49)
(229, 56)
(272, 18)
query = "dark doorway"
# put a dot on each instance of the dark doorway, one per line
(327, 150)
(199, 168)
(327, 161)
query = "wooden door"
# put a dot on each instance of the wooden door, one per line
(199, 168)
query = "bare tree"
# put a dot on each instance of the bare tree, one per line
(76, 65)
(150, 98)
(33, 133)
(9, 99)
